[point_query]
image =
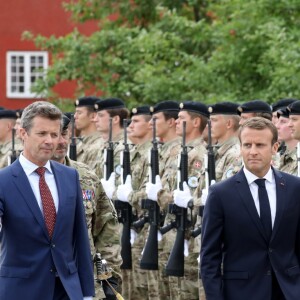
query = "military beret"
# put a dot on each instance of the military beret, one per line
(65, 122)
(254, 106)
(141, 110)
(86, 101)
(109, 103)
(19, 113)
(196, 107)
(223, 108)
(168, 105)
(282, 104)
(294, 108)
(68, 114)
(284, 112)
(8, 114)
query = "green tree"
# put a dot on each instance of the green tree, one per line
(186, 50)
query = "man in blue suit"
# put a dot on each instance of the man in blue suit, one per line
(251, 226)
(44, 250)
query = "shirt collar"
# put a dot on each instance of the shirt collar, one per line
(29, 167)
(251, 177)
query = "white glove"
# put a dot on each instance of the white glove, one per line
(186, 248)
(133, 236)
(109, 185)
(124, 190)
(159, 236)
(204, 196)
(153, 188)
(182, 198)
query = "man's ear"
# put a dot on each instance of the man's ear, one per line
(22, 132)
(275, 148)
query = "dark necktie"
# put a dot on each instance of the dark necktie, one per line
(47, 201)
(264, 204)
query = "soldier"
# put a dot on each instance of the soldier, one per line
(224, 129)
(100, 214)
(115, 109)
(280, 105)
(254, 108)
(195, 115)
(7, 122)
(165, 113)
(288, 159)
(90, 141)
(294, 124)
(140, 131)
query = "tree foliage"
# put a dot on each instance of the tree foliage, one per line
(185, 50)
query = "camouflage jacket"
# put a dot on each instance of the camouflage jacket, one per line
(228, 161)
(6, 152)
(89, 149)
(288, 162)
(101, 216)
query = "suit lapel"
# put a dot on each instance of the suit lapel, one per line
(59, 180)
(246, 196)
(23, 186)
(280, 200)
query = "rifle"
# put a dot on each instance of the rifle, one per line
(109, 154)
(149, 260)
(210, 175)
(175, 264)
(124, 209)
(72, 149)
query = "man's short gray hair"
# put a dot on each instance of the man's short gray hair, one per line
(39, 109)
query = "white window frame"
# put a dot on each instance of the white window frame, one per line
(27, 93)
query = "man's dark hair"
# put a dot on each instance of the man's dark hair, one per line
(259, 123)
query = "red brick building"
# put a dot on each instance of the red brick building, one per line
(19, 60)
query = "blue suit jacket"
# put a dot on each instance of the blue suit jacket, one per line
(28, 258)
(233, 235)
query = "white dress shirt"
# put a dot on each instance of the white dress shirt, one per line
(29, 169)
(270, 187)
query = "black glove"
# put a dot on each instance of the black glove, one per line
(114, 282)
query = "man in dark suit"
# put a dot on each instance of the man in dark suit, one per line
(251, 226)
(44, 250)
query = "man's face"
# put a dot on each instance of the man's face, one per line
(274, 118)
(218, 126)
(17, 128)
(162, 125)
(83, 118)
(294, 125)
(183, 116)
(138, 127)
(284, 131)
(246, 116)
(102, 121)
(41, 140)
(257, 150)
(62, 146)
(5, 129)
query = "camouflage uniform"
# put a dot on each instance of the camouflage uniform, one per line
(6, 152)
(228, 161)
(88, 149)
(288, 162)
(101, 220)
(186, 287)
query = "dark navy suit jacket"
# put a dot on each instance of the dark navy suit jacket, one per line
(233, 237)
(29, 260)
